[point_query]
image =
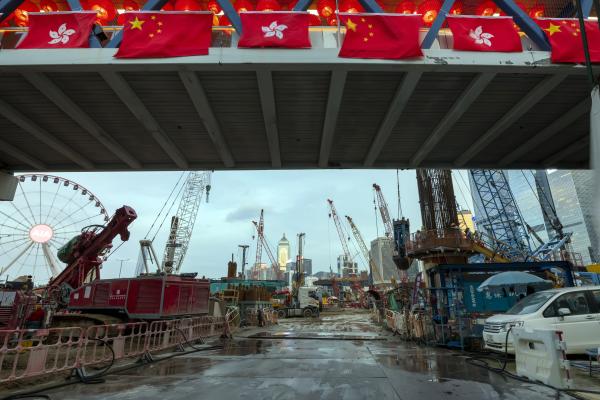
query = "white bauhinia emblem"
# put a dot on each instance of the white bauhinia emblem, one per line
(62, 35)
(274, 30)
(481, 37)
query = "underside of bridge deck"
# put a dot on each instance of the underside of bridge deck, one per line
(270, 109)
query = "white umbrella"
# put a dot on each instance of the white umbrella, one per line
(513, 278)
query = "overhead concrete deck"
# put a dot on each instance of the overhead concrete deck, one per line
(77, 110)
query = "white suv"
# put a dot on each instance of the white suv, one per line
(574, 311)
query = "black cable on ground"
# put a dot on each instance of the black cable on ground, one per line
(480, 360)
(96, 378)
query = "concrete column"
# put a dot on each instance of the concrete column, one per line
(8, 186)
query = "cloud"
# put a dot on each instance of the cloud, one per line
(243, 213)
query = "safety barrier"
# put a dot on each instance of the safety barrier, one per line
(28, 353)
(32, 352)
(540, 355)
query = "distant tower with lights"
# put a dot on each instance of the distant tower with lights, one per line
(283, 253)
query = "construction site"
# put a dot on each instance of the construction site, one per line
(427, 165)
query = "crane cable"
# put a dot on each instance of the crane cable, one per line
(164, 205)
(169, 210)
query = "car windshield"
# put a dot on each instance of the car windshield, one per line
(530, 304)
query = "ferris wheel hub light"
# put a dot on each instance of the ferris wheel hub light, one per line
(41, 233)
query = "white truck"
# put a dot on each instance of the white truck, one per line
(307, 304)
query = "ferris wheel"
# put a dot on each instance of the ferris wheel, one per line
(46, 213)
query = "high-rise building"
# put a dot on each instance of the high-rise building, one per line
(572, 192)
(307, 266)
(346, 267)
(381, 253)
(283, 253)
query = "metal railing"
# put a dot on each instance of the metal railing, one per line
(27, 353)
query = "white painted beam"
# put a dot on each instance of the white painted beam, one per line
(42, 135)
(548, 132)
(203, 108)
(460, 106)
(334, 101)
(392, 116)
(267, 100)
(20, 155)
(49, 89)
(512, 116)
(578, 145)
(122, 89)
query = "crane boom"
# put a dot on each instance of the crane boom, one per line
(262, 243)
(365, 250)
(182, 223)
(384, 211)
(340, 231)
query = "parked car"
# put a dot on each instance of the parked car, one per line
(575, 311)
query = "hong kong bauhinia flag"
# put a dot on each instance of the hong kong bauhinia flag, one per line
(165, 34)
(60, 30)
(484, 34)
(565, 38)
(275, 29)
(385, 36)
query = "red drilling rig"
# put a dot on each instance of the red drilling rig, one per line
(77, 296)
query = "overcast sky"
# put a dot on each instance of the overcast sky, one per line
(294, 201)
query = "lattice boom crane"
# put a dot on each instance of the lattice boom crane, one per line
(365, 250)
(262, 243)
(338, 225)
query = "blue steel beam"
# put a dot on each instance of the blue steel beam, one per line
(437, 24)
(302, 5)
(75, 5)
(232, 14)
(371, 6)
(7, 7)
(586, 5)
(524, 22)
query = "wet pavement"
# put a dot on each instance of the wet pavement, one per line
(346, 358)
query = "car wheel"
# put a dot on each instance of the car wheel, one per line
(307, 313)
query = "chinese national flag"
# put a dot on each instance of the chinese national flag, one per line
(165, 34)
(60, 30)
(389, 36)
(565, 39)
(275, 29)
(484, 34)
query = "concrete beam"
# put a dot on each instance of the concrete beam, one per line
(20, 155)
(42, 135)
(334, 101)
(141, 113)
(512, 116)
(403, 94)
(267, 100)
(579, 145)
(49, 89)
(460, 106)
(198, 96)
(548, 132)
(8, 186)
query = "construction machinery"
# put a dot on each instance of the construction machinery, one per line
(375, 273)
(348, 264)
(261, 242)
(396, 230)
(192, 191)
(78, 297)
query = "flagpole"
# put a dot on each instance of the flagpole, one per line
(586, 50)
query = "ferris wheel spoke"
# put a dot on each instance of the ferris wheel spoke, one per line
(37, 253)
(27, 202)
(77, 222)
(14, 260)
(53, 200)
(14, 248)
(50, 260)
(82, 207)
(16, 220)
(25, 258)
(40, 201)
(14, 240)
(2, 235)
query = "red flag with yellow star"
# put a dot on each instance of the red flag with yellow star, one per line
(165, 34)
(385, 36)
(565, 39)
